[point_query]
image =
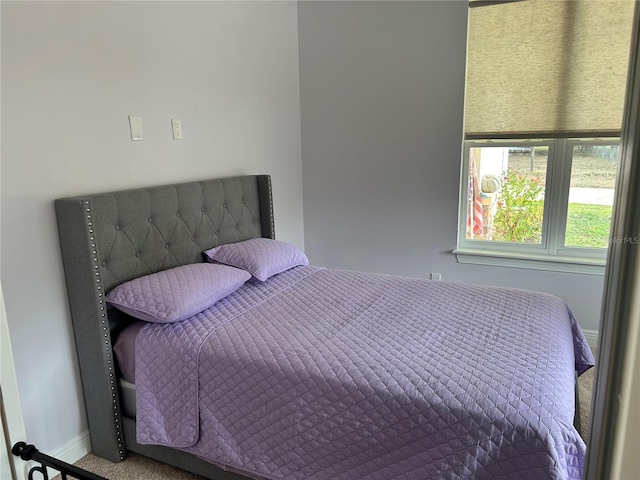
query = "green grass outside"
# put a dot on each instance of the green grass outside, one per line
(588, 225)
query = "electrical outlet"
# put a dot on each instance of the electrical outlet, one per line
(435, 276)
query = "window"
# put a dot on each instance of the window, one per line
(543, 112)
(536, 200)
(591, 191)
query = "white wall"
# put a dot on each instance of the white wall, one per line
(71, 74)
(382, 89)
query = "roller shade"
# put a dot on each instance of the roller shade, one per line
(547, 68)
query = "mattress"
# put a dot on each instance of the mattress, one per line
(329, 374)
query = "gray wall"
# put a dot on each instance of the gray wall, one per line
(71, 74)
(382, 88)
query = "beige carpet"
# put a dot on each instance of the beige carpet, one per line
(585, 389)
(138, 467)
(134, 467)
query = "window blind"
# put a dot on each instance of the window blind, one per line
(547, 68)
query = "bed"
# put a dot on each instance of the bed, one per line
(310, 372)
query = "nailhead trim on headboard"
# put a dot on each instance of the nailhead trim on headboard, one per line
(273, 226)
(105, 329)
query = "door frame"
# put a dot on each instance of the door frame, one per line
(12, 421)
(617, 373)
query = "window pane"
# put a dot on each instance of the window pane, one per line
(506, 193)
(593, 180)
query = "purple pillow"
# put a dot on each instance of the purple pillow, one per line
(261, 257)
(178, 293)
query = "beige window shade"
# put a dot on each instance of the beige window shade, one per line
(547, 68)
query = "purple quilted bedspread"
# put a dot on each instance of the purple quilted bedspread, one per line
(327, 374)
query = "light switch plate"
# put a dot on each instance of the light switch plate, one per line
(135, 125)
(176, 126)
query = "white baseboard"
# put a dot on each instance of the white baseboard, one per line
(73, 450)
(592, 338)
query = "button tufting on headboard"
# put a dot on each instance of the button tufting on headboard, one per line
(110, 238)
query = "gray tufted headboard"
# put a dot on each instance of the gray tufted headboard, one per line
(110, 238)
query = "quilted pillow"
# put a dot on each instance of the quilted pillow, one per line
(261, 257)
(178, 293)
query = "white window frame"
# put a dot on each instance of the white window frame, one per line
(551, 254)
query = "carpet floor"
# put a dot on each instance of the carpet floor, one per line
(139, 467)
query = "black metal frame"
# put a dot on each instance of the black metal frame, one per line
(31, 453)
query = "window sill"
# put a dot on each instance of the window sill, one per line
(585, 266)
